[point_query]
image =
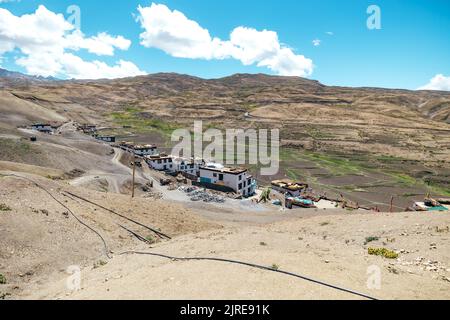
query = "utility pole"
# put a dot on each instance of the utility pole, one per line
(134, 175)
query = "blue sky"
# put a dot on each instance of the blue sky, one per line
(410, 49)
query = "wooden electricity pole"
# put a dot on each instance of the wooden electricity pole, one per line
(134, 175)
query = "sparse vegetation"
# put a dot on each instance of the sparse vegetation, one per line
(3, 296)
(275, 267)
(4, 207)
(263, 244)
(371, 239)
(2, 279)
(11, 149)
(383, 252)
(133, 118)
(100, 263)
(150, 239)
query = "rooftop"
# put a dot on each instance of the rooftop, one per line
(158, 157)
(224, 169)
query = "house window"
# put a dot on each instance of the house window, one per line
(215, 175)
(240, 178)
(220, 177)
(240, 186)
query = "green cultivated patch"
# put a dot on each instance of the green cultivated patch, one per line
(334, 164)
(132, 117)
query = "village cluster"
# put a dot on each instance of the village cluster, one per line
(205, 174)
(237, 181)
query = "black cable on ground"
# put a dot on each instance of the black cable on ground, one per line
(184, 258)
(159, 233)
(138, 236)
(254, 266)
(68, 209)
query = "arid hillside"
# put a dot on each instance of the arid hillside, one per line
(65, 198)
(367, 143)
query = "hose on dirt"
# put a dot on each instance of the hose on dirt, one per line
(105, 245)
(362, 295)
(135, 234)
(256, 266)
(158, 233)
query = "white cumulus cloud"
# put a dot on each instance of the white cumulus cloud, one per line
(438, 82)
(316, 42)
(178, 36)
(47, 43)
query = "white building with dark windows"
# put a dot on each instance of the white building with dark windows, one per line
(189, 166)
(160, 163)
(42, 127)
(146, 150)
(139, 150)
(237, 179)
(109, 139)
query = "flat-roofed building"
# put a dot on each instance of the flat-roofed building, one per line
(42, 127)
(238, 179)
(110, 139)
(145, 150)
(189, 166)
(160, 163)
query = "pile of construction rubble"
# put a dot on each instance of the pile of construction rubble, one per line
(197, 194)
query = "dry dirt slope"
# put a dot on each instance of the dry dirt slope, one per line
(40, 238)
(329, 248)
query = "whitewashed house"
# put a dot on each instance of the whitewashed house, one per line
(147, 150)
(237, 179)
(160, 163)
(142, 151)
(189, 166)
(109, 139)
(42, 127)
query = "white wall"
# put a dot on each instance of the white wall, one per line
(186, 166)
(230, 180)
(42, 127)
(145, 152)
(160, 166)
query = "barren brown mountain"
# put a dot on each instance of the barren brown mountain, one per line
(366, 143)
(369, 145)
